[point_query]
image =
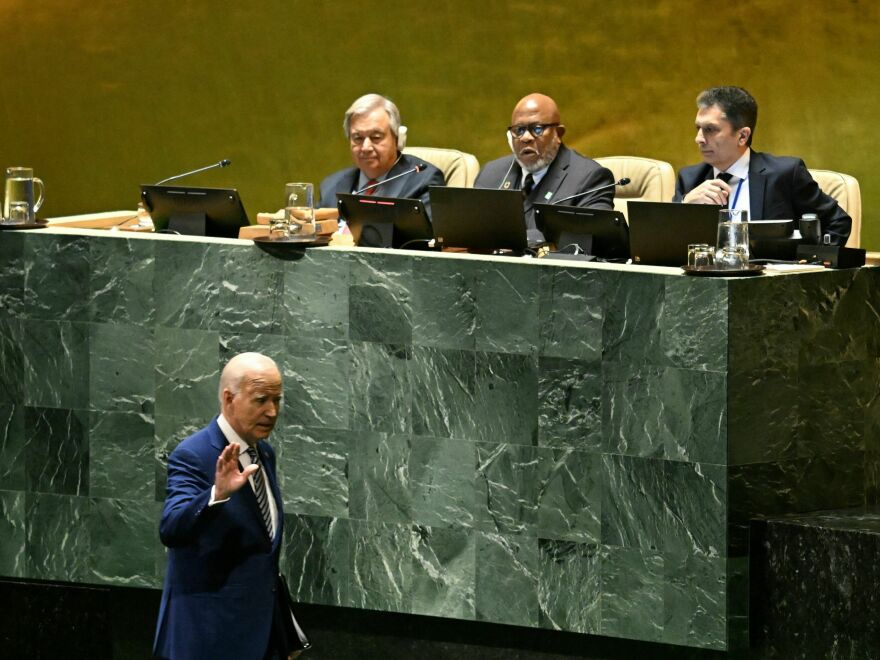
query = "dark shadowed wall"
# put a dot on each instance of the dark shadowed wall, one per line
(100, 96)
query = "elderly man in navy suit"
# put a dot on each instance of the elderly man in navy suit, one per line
(222, 523)
(377, 138)
(768, 187)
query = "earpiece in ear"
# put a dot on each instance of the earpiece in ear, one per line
(510, 140)
(401, 138)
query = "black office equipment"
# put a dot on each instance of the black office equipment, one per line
(195, 211)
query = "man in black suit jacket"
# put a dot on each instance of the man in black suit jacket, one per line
(768, 187)
(372, 126)
(542, 167)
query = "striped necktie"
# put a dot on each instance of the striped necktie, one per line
(372, 190)
(260, 490)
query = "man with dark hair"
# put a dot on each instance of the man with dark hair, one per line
(376, 137)
(768, 187)
(542, 167)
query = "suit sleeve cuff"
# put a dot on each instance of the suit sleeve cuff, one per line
(213, 501)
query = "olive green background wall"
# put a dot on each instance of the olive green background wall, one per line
(101, 96)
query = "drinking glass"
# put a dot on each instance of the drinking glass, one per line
(299, 209)
(732, 246)
(701, 254)
(20, 183)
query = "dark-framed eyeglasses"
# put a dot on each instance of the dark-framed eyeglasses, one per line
(537, 130)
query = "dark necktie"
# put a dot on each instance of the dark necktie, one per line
(528, 184)
(726, 177)
(371, 191)
(260, 490)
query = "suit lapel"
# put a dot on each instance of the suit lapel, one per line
(395, 188)
(552, 181)
(757, 184)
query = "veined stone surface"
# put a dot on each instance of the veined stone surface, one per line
(538, 444)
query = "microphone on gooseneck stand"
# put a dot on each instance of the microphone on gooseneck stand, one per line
(417, 168)
(222, 163)
(619, 182)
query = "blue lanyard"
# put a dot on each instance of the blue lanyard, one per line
(736, 195)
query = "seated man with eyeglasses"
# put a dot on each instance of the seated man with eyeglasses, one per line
(544, 168)
(376, 137)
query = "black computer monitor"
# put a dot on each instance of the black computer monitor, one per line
(385, 222)
(599, 232)
(195, 211)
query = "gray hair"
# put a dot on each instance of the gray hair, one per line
(238, 368)
(365, 105)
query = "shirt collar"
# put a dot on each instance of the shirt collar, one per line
(740, 169)
(536, 176)
(231, 436)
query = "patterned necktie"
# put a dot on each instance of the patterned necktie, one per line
(528, 184)
(260, 490)
(371, 191)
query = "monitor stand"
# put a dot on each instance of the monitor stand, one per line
(192, 224)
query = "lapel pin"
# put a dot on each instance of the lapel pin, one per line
(548, 195)
(506, 185)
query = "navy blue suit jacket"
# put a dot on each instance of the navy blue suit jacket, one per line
(218, 597)
(411, 186)
(568, 174)
(780, 187)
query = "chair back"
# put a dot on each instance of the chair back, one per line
(650, 180)
(460, 169)
(845, 189)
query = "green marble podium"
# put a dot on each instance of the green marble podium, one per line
(533, 443)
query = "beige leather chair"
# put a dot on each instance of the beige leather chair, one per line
(650, 180)
(845, 189)
(460, 169)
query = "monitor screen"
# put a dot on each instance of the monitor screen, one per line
(196, 211)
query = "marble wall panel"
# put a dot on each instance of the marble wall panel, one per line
(123, 543)
(379, 480)
(317, 559)
(441, 478)
(693, 323)
(13, 448)
(187, 372)
(382, 565)
(13, 556)
(59, 348)
(695, 600)
(56, 451)
(379, 299)
(314, 468)
(572, 313)
(633, 310)
(121, 281)
(444, 572)
(444, 398)
(570, 586)
(12, 274)
(11, 360)
(507, 578)
(570, 412)
(57, 271)
(633, 581)
(316, 296)
(316, 381)
(508, 302)
(444, 306)
(380, 393)
(121, 368)
(57, 543)
(121, 450)
(506, 401)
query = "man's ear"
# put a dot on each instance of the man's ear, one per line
(744, 134)
(560, 131)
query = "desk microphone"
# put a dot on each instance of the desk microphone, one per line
(222, 163)
(417, 168)
(620, 182)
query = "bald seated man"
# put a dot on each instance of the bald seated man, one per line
(222, 523)
(542, 167)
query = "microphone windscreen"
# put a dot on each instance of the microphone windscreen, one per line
(225, 163)
(624, 181)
